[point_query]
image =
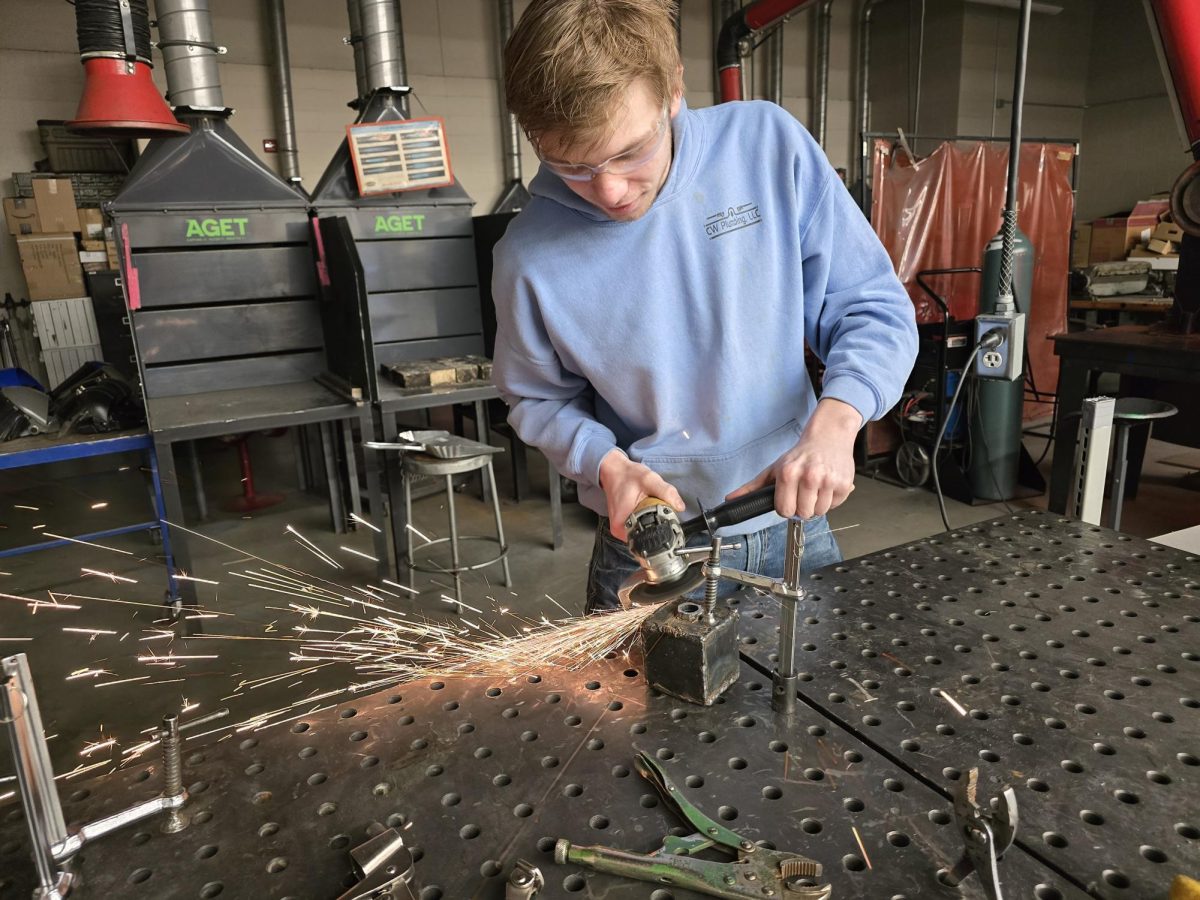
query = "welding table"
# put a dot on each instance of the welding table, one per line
(188, 417)
(1055, 656)
(1131, 350)
(44, 449)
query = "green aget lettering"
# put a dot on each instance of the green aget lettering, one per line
(216, 228)
(397, 224)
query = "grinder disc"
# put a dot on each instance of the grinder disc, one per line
(656, 592)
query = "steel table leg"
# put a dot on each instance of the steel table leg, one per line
(172, 507)
(375, 505)
(556, 517)
(337, 508)
(347, 429)
(1073, 378)
(197, 479)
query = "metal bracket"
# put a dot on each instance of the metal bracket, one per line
(384, 867)
(1091, 458)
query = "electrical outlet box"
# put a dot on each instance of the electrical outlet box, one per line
(1005, 362)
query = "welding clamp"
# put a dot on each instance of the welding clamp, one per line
(755, 873)
(988, 830)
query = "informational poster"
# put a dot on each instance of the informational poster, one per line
(406, 155)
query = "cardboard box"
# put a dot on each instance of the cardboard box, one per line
(21, 215)
(1114, 237)
(51, 266)
(55, 204)
(1161, 247)
(1168, 231)
(1081, 249)
(91, 223)
(92, 256)
(110, 250)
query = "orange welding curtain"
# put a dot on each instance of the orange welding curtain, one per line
(940, 212)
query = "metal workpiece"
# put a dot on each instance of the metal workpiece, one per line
(477, 773)
(691, 653)
(1055, 656)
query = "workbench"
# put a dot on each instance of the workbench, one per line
(43, 449)
(1127, 309)
(1057, 657)
(1133, 351)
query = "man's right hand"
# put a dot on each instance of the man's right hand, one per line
(626, 484)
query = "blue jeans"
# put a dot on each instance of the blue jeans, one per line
(761, 552)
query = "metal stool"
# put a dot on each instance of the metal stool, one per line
(416, 465)
(1128, 414)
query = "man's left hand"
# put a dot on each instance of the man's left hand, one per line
(817, 474)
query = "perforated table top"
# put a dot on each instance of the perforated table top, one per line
(1071, 652)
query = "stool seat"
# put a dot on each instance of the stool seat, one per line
(416, 463)
(1139, 409)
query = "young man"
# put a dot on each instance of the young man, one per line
(654, 298)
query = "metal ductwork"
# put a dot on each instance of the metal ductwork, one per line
(281, 78)
(383, 48)
(515, 195)
(189, 50)
(119, 97)
(734, 40)
(354, 39)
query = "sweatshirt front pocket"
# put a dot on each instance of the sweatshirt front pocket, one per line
(708, 477)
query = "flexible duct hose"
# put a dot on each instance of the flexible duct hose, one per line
(103, 31)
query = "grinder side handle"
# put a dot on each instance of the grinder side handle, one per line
(732, 512)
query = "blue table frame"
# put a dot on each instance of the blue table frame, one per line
(41, 450)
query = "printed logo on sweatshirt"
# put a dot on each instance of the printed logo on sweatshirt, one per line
(735, 218)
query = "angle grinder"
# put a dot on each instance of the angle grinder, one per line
(657, 539)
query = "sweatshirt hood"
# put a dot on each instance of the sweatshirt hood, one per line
(685, 155)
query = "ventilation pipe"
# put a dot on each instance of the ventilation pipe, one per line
(515, 195)
(383, 48)
(119, 97)
(281, 77)
(354, 13)
(821, 101)
(185, 37)
(736, 33)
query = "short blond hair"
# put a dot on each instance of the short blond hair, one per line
(569, 62)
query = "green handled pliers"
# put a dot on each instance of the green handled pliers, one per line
(756, 872)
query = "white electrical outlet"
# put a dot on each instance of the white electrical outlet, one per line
(1005, 361)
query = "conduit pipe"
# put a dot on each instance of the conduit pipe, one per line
(185, 37)
(864, 93)
(821, 100)
(354, 39)
(514, 196)
(775, 67)
(734, 40)
(281, 77)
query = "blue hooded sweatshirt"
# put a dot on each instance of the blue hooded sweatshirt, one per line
(679, 337)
